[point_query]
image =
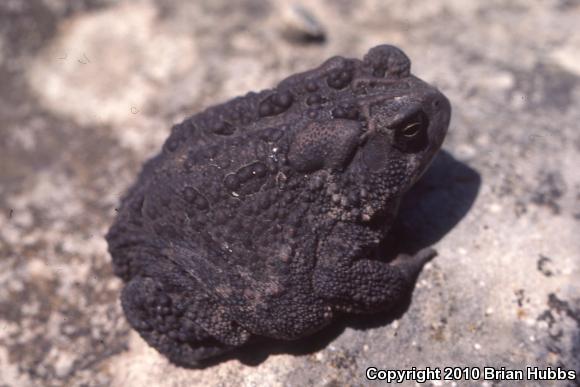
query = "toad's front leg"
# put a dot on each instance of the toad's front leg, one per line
(353, 282)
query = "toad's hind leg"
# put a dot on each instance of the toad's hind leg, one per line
(167, 323)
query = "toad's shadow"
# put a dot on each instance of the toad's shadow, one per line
(439, 200)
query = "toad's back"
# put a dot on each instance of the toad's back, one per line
(223, 184)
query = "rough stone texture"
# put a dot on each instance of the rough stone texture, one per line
(90, 90)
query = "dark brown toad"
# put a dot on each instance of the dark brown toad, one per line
(262, 216)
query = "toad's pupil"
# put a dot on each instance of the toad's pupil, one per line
(411, 130)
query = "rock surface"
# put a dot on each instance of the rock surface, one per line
(90, 91)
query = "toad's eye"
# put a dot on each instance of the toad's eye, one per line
(411, 134)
